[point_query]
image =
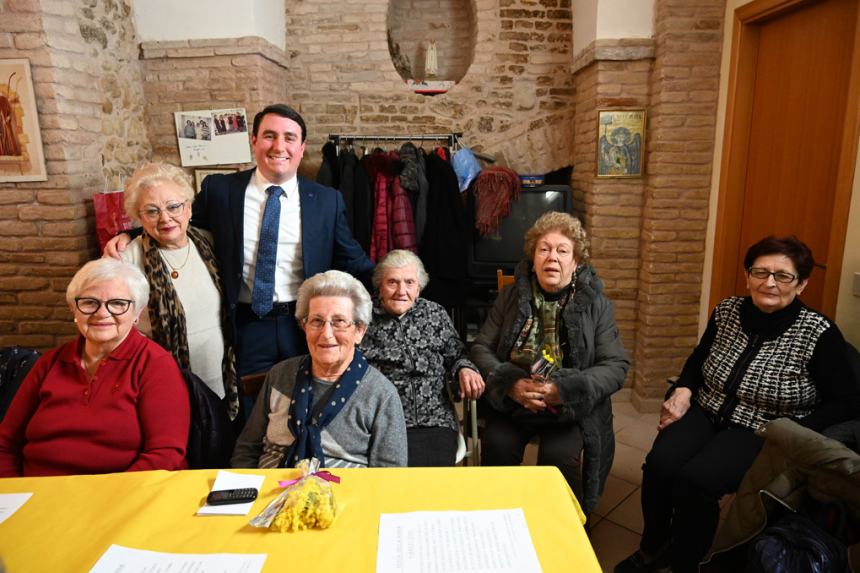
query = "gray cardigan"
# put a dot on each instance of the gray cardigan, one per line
(368, 431)
(595, 342)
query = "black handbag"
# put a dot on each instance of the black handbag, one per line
(795, 544)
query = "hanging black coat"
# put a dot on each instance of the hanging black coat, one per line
(443, 248)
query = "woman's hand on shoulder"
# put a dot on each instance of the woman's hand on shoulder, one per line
(116, 245)
(529, 394)
(471, 384)
(675, 407)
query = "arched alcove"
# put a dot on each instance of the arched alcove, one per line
(450, 25)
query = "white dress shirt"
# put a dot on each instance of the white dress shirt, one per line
(289, 265)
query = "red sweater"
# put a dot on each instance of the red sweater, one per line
(133, 415)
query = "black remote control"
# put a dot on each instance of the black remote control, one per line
(227, 496)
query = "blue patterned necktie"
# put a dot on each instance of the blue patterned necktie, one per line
(267, 252)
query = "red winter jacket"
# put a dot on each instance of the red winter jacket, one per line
(393, 221)
(402, 219)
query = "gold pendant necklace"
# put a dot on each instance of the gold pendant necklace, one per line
(175, 269)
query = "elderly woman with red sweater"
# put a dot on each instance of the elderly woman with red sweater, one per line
(109, 401)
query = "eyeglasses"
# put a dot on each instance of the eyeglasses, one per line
(778, 276)
(337, 324)
(115, 306)
(154, 213)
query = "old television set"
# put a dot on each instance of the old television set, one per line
(503, 249)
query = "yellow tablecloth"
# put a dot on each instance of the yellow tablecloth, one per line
(69, 522)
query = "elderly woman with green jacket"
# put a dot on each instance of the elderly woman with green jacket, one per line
(551, 355)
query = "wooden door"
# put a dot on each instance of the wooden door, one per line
(793, 103)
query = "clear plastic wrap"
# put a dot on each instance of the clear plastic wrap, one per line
(307, 503)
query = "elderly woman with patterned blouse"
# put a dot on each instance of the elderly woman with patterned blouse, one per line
(413, 342)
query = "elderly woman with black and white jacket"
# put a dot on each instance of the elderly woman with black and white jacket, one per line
(761, 357)
(552, 357)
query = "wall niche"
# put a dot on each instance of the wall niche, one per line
(422, 33)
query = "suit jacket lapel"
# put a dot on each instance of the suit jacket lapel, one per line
(238, 185)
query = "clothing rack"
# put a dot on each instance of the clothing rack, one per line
(452, 138)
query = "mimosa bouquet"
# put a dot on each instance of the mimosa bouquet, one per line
(305, 503)
(543, 368)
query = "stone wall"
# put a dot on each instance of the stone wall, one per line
(108, 30)
(87, 87)
(514, 103)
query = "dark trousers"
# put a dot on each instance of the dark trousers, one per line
(692, 464)
(431, 447)
(504, 441)
(263, 342)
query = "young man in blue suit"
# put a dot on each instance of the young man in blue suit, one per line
(311, 234)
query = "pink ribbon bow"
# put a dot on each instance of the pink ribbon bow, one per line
(321, 474)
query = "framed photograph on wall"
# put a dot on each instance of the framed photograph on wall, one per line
(620, 142)
(200, 175)
(212, 137)
(21, 156)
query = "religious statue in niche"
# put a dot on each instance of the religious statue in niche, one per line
(431, 60)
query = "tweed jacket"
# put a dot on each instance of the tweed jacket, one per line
(751, 367)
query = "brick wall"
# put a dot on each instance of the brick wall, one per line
(613, 207)
(88, 98)
(684, 88)
(207, 74)
(648, 234)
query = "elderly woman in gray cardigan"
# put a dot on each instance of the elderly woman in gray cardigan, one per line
(551, 356)
(331, 405)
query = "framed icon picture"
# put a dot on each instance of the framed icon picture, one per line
(201, 174)
(21, 155)
(620, 142)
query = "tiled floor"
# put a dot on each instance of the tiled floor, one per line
(617, 523)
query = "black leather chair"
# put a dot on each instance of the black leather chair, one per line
(15, 363)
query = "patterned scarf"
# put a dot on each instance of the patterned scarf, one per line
(307, 431)
(540, 331)
(168, 317)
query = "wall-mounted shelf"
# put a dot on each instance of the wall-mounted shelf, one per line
(430, 87)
